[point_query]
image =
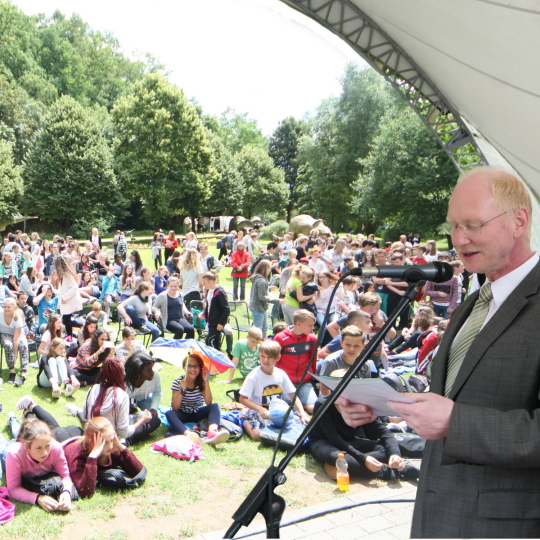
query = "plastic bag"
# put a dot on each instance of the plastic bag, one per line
(277, 410)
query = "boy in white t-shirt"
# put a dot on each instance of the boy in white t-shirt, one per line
(261, 385)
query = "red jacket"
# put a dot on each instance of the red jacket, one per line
(295, 354)
(240, 261)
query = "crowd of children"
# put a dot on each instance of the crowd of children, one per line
(45, 286)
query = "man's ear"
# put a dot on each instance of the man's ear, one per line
(521, 221)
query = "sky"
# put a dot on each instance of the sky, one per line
(257, 56)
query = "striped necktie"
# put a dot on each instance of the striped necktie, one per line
(461, 345)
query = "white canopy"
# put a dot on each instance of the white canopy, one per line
(478, 58)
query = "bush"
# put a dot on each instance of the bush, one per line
(279, 228)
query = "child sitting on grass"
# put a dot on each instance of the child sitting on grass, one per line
(260, 385)
(245, 355)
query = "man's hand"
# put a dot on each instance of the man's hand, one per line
(373, 464)
(354, 414)
(429, 416)
(396, 462)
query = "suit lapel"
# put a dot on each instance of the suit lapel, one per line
(502, 319)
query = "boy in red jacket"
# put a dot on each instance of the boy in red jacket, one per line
(296, 352)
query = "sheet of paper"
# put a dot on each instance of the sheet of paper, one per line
(372, 392)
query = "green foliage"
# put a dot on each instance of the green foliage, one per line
(278, 228)
(265, 189)
(161, 150)
(11, 182)
(227, 191)
(237, 130)
(408, 177)
(342, 132)
(69, 174)
(283, 149)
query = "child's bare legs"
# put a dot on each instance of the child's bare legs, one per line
(253, 433)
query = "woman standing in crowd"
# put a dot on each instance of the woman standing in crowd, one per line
(239, 238)
(173, 311)
(171, 244)
(70, 298)
(13, 340)
(191, 273)
(95, 238)
(191, 240)
(156, 246)
(240, 262)
(259, 299)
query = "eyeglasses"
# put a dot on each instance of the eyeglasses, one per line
(470, 229)
(193, 366)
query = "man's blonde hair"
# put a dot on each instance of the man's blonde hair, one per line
(369, 299)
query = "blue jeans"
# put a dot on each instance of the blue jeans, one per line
(137, 322)
(322, 330)
(441, 311)
(242, 281)
(260, 320)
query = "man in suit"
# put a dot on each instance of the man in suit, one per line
(481, 469)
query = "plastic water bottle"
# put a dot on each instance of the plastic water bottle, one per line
(342, 477)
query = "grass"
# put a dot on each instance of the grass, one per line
(172, 485)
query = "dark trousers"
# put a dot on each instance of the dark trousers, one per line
(213, 338)
(60, 433)
(143, 431)
(325, 452)
(177, 418)
(181, 327)
(68, 323)
(168, 253)
(157, 261)
(88, 376)
(222, 252)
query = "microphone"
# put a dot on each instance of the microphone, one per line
(438, 272)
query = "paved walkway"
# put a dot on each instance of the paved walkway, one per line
(381, 521)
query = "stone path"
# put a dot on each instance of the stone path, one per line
(379, 521)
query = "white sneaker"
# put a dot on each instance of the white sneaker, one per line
(72, 409)
(57, 393)
(24, 403)
(220, 437)
(69, 389)
(11, 415)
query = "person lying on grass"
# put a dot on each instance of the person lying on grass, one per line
(98, 449)
(34, 454)
(264, 382)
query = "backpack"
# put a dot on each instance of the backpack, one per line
(120, 479)
(254, 264)
(411, 445)
(418, 383)
(210, 262)
(220, 243)
(397, 382)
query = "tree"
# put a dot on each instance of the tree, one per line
(227, 191)
(408, 178)
(265, 187)
(11, 182)
(341, 133)
(69, 174)
(283, 149)
(236, 130)
(161, 150)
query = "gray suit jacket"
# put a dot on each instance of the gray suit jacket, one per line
(483, 479)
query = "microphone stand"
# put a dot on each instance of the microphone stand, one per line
(262, 498)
